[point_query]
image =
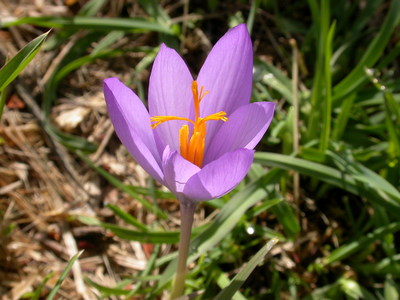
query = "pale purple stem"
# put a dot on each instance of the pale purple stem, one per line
(187, 209)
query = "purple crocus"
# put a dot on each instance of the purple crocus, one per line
(198, 136)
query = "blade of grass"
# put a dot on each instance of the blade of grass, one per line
(327, 107)
(91, 7)
(127, 217)
(320, 23)
(39, 289)
(240, 278)
(384, 193)
(12, 68)
(253, 9)
(106, 291)
(287, 217)
(343, 117)
(63, 276)
(393, 123)
(371, 55)
(94, 23)
(223, 281)
(361, 243)
(273, 77)
(152, 237)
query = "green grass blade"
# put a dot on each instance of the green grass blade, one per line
(3, 98)
(320, 171)
(274, 78)
(63, 276)
(365, 175)
(361, 243)
(393, 123)
(321, 23)
(343, 117)
(375, 50)
(108, 291)
(93, 23)
(91, 7)
(223, 281)
(152, 237)
(327, 108)
(253, 9)
(38, 291)
(286, 216)
(12, 68)
(240, 278)
(127, 217)
(384, 193)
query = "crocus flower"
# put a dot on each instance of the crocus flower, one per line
(198, 136)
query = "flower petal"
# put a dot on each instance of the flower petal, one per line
(227, 74)
(132, 124)
(220, 176)
(244, 129)
(177, 170)
(170, 94)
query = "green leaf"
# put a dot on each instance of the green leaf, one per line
(127, 217)
(39, 289)
(287, 218)
(91, 7)
(240, 278)
(223, 281)
(391, 289)
(119, 290)
(371, 55)
(94, 23)
(63, 276)
(274, 78)
(327, 106)
(343, 117)
(360, 243)
(12, 68)
(385, 192)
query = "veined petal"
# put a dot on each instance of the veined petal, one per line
(244, 129)
(177, 170)
(132, 124)
(227, 74)
(220, 176)
(170, 94)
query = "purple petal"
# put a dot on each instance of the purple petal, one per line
(177, 170)
(132, 125)
(220, 176)
(170, 94)
(244, 129)
(227, 74)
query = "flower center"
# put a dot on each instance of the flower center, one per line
(192, 146)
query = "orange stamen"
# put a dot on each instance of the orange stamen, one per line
(192, 149)
(184, 140)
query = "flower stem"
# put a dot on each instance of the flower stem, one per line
(187, 209)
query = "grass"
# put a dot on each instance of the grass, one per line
(339, 239)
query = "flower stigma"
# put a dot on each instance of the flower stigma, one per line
(192, 146)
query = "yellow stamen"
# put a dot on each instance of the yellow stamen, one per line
(192, 149)
(161, 119)
(184, 140)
